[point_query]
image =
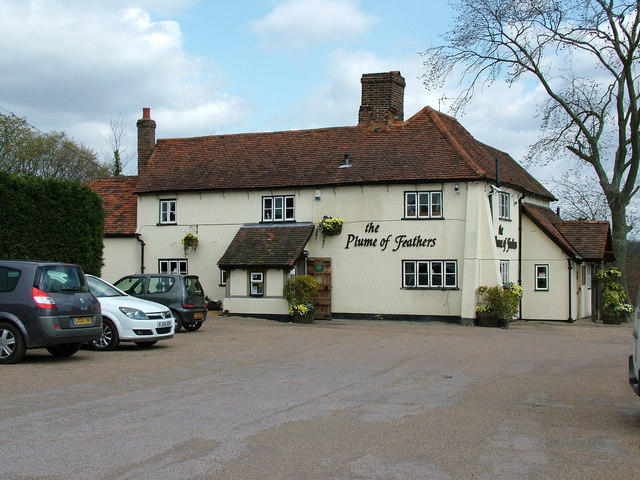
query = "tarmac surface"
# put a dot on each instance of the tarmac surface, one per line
(341, 400)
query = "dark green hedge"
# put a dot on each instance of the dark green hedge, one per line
(50, 219)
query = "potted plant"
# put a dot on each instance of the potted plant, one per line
(299, 292)
(189, 242)
(498, 305)
(329, 226)
(615, 308)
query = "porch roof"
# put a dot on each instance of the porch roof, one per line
(267, 246)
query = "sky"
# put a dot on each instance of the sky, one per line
(207, 67)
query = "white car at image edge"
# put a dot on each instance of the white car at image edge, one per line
(128, 319)
(634, 358)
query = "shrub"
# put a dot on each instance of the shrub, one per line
(501, 301)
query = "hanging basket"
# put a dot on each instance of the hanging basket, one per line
(189, 242)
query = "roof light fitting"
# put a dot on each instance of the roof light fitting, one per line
(346, 163)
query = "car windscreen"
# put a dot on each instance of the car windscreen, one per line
(102, 289)
(62, 278)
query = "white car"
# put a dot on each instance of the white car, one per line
(129, 319)
(634, 358)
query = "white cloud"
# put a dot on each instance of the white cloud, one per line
(296, 24)
(72, 66)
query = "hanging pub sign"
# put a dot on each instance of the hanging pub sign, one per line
(392, 242)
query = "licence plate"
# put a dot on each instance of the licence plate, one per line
(165, 323)
(197, 315)
(82, 320)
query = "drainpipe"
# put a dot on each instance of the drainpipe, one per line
(570, 320)
(142, 244)
(520, 249)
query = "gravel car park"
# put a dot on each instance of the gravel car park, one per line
(256, 399)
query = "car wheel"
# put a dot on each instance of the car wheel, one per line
(178, 320)
(146, 344)
(12, 346)
(109, 340)
(192, 327)
(65, 350)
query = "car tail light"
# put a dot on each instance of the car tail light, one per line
(188, 305)
(42, 299)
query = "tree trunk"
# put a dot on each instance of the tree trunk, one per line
(619, 231)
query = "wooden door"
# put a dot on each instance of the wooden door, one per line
(320, 268)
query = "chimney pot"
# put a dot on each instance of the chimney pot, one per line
(146, 113)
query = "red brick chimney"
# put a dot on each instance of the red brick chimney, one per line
(382, 99)
(146, 138)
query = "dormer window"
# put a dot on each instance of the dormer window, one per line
(278, 209)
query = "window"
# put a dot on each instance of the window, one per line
(504, 271)
(178, 266)
(160, 284)
(586, 276)
(423, 204)
(256, 284)
(504, 200)
(278, 209)
(429, 274)
(168, 211)
(8, 279)
(223, 276)
(542, 277)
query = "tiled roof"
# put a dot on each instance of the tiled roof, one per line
(119, 202)
(591, 239)
(585, 240)
(429, 147)
(275, 246)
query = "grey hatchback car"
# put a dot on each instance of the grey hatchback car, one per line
(45, 305)
(183, 294)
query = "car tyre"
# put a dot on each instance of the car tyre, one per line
(12, 346)
(192, 327)
(147, 344)
(65, 350)
(109, 340)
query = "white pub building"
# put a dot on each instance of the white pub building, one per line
(429, 215)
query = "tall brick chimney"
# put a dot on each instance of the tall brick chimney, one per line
(146, 138)
(382, 99)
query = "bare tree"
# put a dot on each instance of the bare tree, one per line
(117, 138)
(593, 116)
(580, 198)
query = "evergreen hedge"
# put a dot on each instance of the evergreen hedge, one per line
(50, 220)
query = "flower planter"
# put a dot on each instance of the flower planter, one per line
(486, 319)
(295, 318)
(611, 318)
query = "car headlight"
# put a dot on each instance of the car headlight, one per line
(134, 313)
